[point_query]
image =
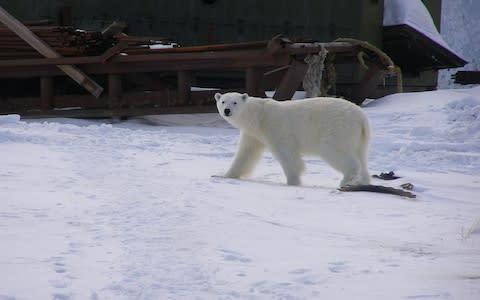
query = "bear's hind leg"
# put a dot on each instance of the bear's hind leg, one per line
(248, 154)
(350, 166)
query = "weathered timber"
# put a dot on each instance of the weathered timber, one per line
(34, 41)
(291, 80)
(467, 77)
(168, 75)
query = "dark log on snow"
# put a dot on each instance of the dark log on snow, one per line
(377, 189)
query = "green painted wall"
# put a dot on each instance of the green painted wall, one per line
(193, 22)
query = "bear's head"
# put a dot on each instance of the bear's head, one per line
(230, 105)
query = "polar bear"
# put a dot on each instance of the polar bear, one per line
(333, 129)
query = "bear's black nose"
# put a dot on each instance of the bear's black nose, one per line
(227, 112)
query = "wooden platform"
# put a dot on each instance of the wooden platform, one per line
(467, 77)
(156, 81)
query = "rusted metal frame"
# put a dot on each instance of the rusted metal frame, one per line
(51, 61)
(218, 47)
(156, 102)
(250, 60)
(155, 56)
(172, 58)
(160, 63)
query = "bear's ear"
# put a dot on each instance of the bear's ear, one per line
(218, 96)
(244, 97)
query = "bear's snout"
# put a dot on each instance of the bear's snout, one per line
(227, 112)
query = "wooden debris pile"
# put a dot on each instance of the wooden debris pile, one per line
(69, 41)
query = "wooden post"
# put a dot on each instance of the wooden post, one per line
(29, 37)
(291, 80)
(369, 83)
(184, 86)
(46, 92)
(253, 80)
(114, 90)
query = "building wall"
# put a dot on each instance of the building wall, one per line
(192, 22)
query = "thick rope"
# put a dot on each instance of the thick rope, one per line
(329, 78)
(392, 69)
(312, 82)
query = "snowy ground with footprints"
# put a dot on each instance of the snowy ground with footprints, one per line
(95, 209)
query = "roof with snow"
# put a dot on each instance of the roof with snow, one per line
(413, 41)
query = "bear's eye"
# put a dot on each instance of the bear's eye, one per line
(234, 103)
(223, 102)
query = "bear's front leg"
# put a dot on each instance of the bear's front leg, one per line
(249, 151)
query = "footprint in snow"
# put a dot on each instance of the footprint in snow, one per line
(234, 256)
(337, 266)
(59, 284)
(59, 267)
(304, 276)
(60, 297)
(299, 271)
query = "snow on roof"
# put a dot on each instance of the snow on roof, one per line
(414, 14)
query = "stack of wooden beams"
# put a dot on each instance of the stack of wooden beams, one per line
(67, 41)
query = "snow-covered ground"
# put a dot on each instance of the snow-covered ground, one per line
(130, 210)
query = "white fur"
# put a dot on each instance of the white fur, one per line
(334, 129)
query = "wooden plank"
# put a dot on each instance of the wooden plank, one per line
(253, 82)
(158, 63)
(114, 28)
(467, 77)
(113, 51)
(184, 85)
(28, 36)
(121, 112)
(114, 90)
(46, 92)
(291, 80)
(367, 85)
(156, 101)
(260, 54)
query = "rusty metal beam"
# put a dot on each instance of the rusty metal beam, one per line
(154, 55)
